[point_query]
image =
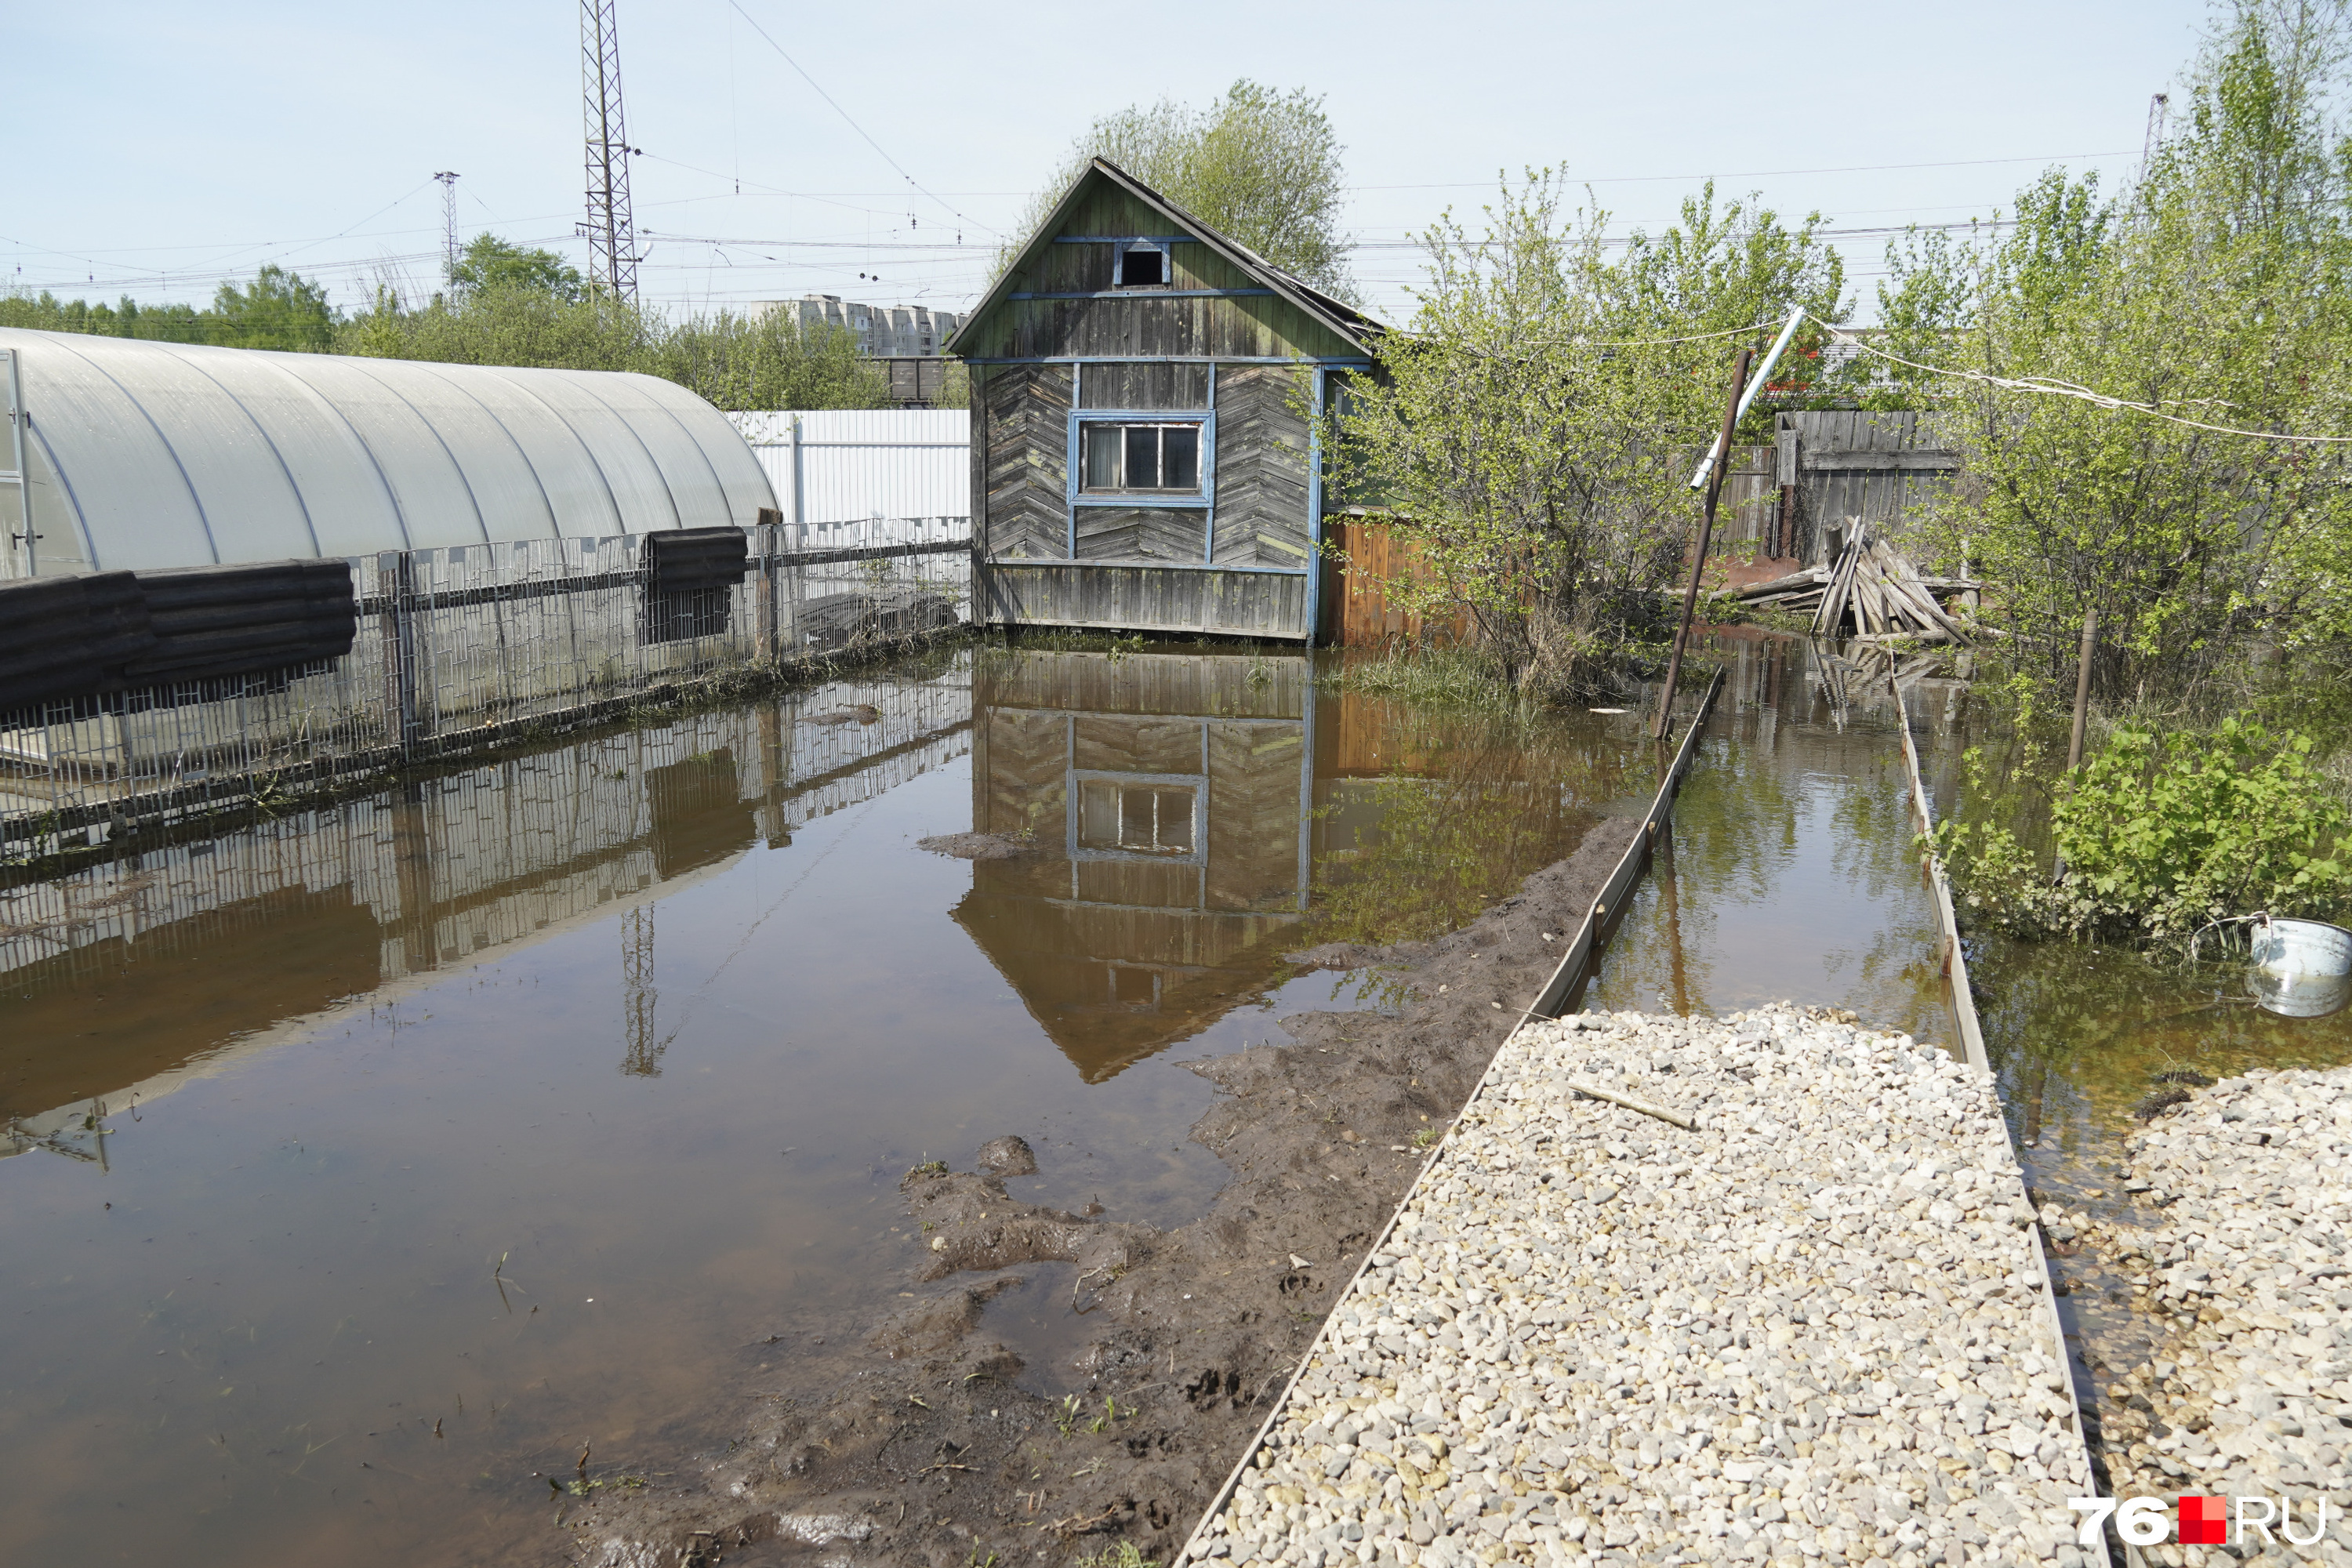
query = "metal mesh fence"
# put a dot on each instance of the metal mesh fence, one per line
(469, 646)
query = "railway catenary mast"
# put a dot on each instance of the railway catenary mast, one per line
(612, 235)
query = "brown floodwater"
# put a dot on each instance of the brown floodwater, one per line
(372, 1163)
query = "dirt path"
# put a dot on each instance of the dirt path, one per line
(914, 1445)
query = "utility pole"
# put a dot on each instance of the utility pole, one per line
(448, 178)
(611, 234)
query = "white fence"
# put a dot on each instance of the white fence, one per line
(849, 478)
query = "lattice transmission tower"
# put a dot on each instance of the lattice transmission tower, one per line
(612, 235)
(638, 994)
(448, 178)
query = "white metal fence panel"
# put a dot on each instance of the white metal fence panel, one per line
(836, 468)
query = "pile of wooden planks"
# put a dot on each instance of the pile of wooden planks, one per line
(1872, 592)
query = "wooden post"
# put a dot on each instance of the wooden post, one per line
(2083, 688)
(1705, 536)
(763, 534)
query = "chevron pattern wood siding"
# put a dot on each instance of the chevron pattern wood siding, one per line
(1142, 533)
(1262, 513)
(1027, 408)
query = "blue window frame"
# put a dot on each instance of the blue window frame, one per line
(1142, 458)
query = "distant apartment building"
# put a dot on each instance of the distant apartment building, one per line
(891, 332)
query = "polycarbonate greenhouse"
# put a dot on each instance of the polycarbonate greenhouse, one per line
(144, 455)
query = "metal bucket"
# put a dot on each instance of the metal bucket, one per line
(2303, 968)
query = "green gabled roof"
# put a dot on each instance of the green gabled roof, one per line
(1349, 324)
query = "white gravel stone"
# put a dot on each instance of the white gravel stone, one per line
(1810, 1331)
(2249, 1388)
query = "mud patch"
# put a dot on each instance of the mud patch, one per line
(978, 845)
(929, 1429)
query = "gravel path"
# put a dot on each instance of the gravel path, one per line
(2250, 1391)
(1812, 1330)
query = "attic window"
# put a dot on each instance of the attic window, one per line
(1140, 264)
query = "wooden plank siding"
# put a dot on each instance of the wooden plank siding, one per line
(1025, 409)
(1143, 533)
(1145, 599)
(1364, 556)
(1880, 468)
(1227, 341)
(1262, 439)
(1148, 385)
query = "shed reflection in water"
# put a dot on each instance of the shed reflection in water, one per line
(564, 1098)
(1168, 801)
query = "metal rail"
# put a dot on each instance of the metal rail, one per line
(1964, 1011)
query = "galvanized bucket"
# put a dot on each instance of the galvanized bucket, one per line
(2303, 968)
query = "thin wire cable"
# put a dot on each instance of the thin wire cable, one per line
(1759, 174)
(2050, 387)
(852, 123)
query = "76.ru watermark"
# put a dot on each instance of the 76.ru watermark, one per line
(2195, 1521)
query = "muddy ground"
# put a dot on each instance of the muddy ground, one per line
(909, 1442)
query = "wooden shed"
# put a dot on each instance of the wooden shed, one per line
(1143, 455)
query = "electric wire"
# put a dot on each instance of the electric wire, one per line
(852, 123)
(2051, 387)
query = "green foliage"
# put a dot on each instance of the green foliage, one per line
(514, 307)
(1121, 1555)
(735, 362)
(279, 310)
(1530, 435)
(2157, 839)
(1258, 165)
(2212, 288)
(489, 262)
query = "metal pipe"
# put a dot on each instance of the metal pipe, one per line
(1771, 358)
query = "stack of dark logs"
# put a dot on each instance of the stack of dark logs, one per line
(1872, 592)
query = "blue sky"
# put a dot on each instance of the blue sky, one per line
(181, 145)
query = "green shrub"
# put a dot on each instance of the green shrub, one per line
(2158, 838)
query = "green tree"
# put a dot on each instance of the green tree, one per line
(736, 362)
(489, 262)
(1260, 166)
(1530, 434)
(279, 310)
(2210, 292)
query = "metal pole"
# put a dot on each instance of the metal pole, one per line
(1706, 534)
(24, 482)
(404, 651)
(1763, 374)
(2083, 688)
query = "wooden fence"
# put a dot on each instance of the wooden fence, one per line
(1363, 555)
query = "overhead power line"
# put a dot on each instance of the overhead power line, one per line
(2051, 387)
(853, 124)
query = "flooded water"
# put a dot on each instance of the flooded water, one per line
(1788, 874)
(373, 1163)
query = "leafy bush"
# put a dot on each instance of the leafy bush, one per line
(2157, 838)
